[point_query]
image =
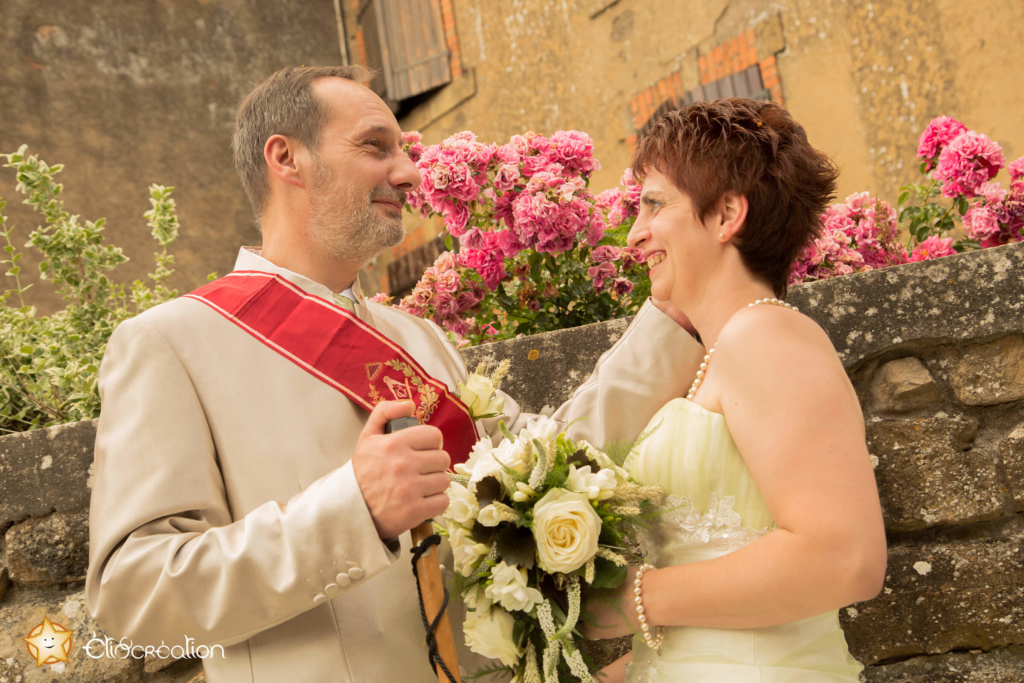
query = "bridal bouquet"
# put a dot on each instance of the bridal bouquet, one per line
(534, 523)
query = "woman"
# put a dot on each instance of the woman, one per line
(773, 521)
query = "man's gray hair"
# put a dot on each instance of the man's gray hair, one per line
(284, 104)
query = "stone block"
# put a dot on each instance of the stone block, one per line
(988, 373)
(45, 470)
(547, 368)
(926, 476)
(955, 299)
(50, 550)
(1011, 450)
(940, 598)
(25, 608)
(902, 385)
(1005, 665)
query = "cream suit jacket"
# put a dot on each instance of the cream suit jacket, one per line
(225, 509)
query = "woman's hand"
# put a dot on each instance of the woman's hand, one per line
(611, 612)
(669, 309)
(616, 671)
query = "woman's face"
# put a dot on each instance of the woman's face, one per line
(679, 249)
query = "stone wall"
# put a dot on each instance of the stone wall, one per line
(126, 94)
(936, 353)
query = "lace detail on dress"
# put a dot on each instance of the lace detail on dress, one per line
(645, 672)
(720, 526)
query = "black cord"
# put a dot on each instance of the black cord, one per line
(434, 656)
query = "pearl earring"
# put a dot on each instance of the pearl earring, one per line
(721, 235)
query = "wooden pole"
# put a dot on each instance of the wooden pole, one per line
(428, 569)
(432, 589)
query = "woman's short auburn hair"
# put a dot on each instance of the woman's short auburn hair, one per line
(757, 150)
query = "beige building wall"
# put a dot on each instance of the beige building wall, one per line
(863, 78)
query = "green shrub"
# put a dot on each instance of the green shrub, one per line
(49, 366)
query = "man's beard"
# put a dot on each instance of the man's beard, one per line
(345, 225)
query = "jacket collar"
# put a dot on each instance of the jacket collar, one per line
(249, 259)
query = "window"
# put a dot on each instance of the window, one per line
(406, 41)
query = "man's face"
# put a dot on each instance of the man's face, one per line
(360, 174)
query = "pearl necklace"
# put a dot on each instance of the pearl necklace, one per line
(707, 359)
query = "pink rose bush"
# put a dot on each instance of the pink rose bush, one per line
(537, 251)
(857, 235)
(863, 233)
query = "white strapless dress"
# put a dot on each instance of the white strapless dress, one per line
(717, 509)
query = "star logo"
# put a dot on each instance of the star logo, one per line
(49, 643)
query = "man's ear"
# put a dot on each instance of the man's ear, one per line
(731, 215)
(281, 156)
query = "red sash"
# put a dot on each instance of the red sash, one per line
(338, 348)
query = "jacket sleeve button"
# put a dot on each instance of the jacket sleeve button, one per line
(356, 573)
(319, 599)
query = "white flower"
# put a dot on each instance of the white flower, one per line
(462, 505)
(465, 550)
(566, 529)
(509, 454)
(480, 448)
(490, 516)
(542, 428)
(509, 588)
(600, 486)
(479, 396)
(489, 633)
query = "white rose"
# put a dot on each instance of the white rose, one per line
(479, 396)
(509, 454)
(600, 486)
(509, 588)
(489, 633)
(465, 550)
(566, 529)
(462, 504)
(542, 428)
(480, 448)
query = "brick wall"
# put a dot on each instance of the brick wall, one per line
(730, 69)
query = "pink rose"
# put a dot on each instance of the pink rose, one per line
(937, 134)
(622, 286)
(968, 161)
(448, 282)
(600, 273)
(506, 177)
(605, 253)
(1016, 169)
(931, 248)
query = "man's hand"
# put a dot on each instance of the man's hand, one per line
(611, 612)
(401, 475)
(669, 309)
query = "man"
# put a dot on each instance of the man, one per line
(243, 495)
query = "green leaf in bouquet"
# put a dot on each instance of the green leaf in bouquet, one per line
(491, 671)
(481, 533)
(581, 459)
(607, 574)
(515, 545)
(488, 490)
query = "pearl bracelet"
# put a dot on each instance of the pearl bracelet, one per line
(652, 642)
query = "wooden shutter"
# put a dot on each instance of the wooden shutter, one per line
(405, 40)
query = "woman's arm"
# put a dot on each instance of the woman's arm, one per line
(797, 422)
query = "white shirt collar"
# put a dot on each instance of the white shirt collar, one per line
(249, 259)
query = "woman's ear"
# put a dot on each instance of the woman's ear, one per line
(731, 216)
